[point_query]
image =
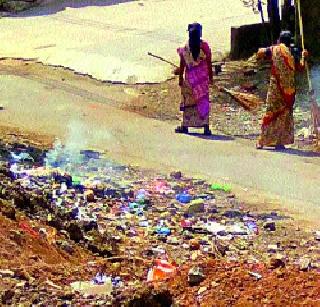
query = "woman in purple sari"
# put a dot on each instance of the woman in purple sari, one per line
(195, 74)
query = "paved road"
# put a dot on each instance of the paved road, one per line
(111, 41)
(289, 179)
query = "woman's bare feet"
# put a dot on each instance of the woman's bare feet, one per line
(207, 131)
(181, 129)
(280, 147)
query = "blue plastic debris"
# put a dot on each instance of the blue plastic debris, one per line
(163, 231)
(184, 198)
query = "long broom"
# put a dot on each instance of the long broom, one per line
(315, 110)
(249, 102)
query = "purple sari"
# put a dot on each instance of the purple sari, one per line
(197, 76)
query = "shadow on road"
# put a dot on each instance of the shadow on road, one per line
(295, 152)
(213, 137)
(53, 8)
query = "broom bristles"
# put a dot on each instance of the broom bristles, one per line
(248, 101)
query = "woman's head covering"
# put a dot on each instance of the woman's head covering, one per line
(285, 38)
(195, 34)
(195, 27)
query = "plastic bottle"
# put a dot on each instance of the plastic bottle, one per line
(63, 187)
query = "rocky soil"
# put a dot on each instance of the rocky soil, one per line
(221, 251)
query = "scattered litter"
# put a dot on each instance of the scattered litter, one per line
(256, 275)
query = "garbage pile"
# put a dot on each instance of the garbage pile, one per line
(142, 228)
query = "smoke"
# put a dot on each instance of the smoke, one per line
(68, 157)
(74, 157)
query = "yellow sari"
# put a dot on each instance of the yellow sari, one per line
(278, 125)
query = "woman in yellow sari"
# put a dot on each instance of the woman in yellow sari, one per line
(278, 125)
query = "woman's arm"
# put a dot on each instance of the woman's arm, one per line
(264, 54)
(208, 54)
(300, 66)
(209, 63)
(181, 71)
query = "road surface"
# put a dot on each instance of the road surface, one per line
(74, 113)
(110, 39)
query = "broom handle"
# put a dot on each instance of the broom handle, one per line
(300, 24)
(162, 59)
(313, 102)
(172, 64)
(303, 45)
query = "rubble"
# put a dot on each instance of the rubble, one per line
(277, 262)
(140, 230)
(271, 226)
(304, 264)
(195, 276)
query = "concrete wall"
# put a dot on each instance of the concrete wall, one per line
(246, 40)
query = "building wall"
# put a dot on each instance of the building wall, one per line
(247, 39)
(311, 19)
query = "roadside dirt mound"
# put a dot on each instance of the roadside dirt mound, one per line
(28, 255)
(234, 284)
